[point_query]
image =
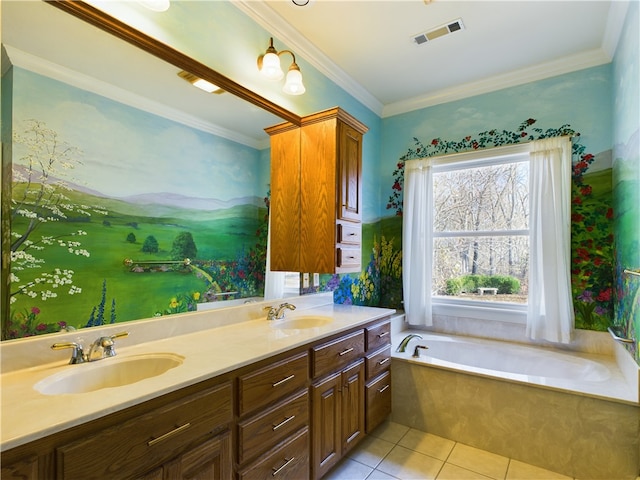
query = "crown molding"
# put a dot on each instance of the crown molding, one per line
(498, 82)
(49, 69)
(271, 21)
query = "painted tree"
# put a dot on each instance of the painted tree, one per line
(41, 195)
(150, 245)
(184, 247)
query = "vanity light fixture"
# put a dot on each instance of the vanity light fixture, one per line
(269, 67)
(200, 83)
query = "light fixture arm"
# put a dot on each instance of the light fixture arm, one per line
(269, 66)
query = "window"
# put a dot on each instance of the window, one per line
(480, 229)
(491, 222)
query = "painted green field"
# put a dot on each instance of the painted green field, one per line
(223, 236)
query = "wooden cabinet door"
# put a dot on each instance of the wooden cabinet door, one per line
(211, 460)
(350, 173)
(26, 469)
(285, 200)
(327, 407)
(352, 406)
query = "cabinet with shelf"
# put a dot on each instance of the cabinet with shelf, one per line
(316, 194)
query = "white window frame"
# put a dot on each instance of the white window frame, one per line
(493, 311)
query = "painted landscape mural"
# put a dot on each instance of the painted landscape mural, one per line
(592, 236)
(118, 214)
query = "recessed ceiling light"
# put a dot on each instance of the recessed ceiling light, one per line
(201, 83)
(302, 3)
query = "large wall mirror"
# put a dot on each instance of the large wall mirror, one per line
(133, 194)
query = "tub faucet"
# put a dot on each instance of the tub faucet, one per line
(403, 344)
(416, 351)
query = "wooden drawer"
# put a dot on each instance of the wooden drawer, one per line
(378, 361)
(288, 461)
(337, 353)
(138, 445)
(265, 430)
(272, 383)
(348, 257)
(378, 397)
(349, 233)
(378, 335)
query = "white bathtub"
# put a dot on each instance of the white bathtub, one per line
(596, 375)
(572, 413)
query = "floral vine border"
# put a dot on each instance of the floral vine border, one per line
(592, 238)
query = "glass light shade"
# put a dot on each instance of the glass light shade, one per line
(293, 84)
(271, 67)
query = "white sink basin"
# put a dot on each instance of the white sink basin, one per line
(307, 321)
(107, 373)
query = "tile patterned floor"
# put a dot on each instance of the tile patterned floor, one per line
(395, 451)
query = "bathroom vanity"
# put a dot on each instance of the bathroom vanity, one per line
(290, 413)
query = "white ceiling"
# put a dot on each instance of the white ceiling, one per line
(367, 45)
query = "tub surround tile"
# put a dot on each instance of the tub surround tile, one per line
(523, 471)
(479, 461)
(406, 464)
(575, 435)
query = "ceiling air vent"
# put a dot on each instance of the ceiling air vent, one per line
(440, 31)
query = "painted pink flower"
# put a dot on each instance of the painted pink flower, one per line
(35, 310)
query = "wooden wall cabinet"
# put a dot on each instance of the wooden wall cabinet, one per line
(316, 194)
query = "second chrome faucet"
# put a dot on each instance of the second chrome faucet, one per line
(103, 347)
(274, 313)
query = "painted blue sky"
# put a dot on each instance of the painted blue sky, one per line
(127, 151)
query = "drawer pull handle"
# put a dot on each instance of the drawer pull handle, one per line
(276, 471)
(286, 420)
(348, 350)
(383, 334)
(283, 381)
(161, 438)
(383, 388)
(383, 361)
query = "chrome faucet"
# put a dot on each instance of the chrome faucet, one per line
(274, 313)
(103, 346)
(416, 351)
(403, 344)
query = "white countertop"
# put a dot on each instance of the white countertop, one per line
(211, 342)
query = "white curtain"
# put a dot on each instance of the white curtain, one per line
(417, 241)
(550, 313)
(274, 282)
